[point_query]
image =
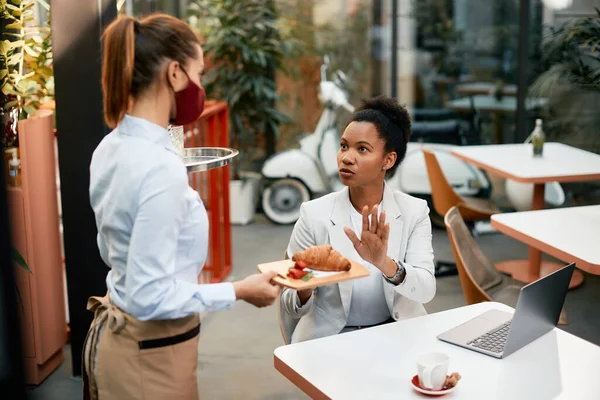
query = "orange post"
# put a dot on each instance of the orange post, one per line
(212, 130)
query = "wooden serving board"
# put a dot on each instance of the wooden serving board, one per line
(356, 271)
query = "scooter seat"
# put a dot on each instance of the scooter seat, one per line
(446, 132)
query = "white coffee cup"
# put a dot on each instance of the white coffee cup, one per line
(432, 369)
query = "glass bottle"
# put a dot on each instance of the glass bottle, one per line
(538, 138)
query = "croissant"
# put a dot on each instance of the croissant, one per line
(323, 258)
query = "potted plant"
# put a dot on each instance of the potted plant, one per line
(570, 81)
(242, 43)
(22, 49)
(26, 76)
(27, 86)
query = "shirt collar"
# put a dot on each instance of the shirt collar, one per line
(142, 128)
(339, 214)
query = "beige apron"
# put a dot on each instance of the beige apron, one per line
(124, 358)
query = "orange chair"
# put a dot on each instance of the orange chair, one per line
(479, 279)
(444, 197)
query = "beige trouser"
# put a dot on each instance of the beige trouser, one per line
(124, 358)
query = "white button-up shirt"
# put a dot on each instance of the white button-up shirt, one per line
(152, 227)
(367, 305)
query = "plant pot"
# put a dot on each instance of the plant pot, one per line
(242, 199)
(35, 234)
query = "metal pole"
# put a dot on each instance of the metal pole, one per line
(523, 59)
(376, 48)
(394, 50)
(76, 29)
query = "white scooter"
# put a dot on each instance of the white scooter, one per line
(298, 175)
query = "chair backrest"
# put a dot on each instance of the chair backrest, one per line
(476, 273)
(447, 132)
(283, 335)
(442, 194)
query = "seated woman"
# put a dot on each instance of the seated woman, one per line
(384, 229)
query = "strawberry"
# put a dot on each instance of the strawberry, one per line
(300, 265)
(295, 273)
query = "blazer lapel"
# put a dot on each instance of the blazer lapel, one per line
(393, 215)
(340, 218)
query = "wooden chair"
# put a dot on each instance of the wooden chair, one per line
(479, 279)
(444, 197)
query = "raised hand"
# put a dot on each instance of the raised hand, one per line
(373, 242)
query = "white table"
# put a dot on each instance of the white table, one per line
(484, 88)
(559, 163)
(508, 104)
(570, 234)
(487, 103)
(378, 363)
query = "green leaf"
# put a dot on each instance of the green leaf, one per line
(18, 258)
(11, 104)
(14, 25)
(16, 44)
(308, 276)
(4, 46)
(8, 89)
(15, 59)
(31, 51)
(17, 35)
(29, 110)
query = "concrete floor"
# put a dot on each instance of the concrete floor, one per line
(236, 347)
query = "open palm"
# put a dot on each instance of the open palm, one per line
(373, 242)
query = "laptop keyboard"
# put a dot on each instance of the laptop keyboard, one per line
(493, 340)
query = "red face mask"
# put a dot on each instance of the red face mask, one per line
(189, 103)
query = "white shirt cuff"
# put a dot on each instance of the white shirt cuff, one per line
(218, 296)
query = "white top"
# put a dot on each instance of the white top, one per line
(481, 87)
(367, 305)
(152, 227)
(379, 363)
(559, 162)
(571, 234)
(508, 104)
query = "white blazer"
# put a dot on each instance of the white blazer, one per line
(322, 221)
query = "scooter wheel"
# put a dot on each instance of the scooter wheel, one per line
(281, 200)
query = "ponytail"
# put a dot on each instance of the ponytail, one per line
(117, 68)
(151, 41)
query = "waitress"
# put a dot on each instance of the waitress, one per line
(152, 227)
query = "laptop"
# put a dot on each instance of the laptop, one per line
(499, 333)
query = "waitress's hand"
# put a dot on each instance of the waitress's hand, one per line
(373, 243)
(257, 289)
